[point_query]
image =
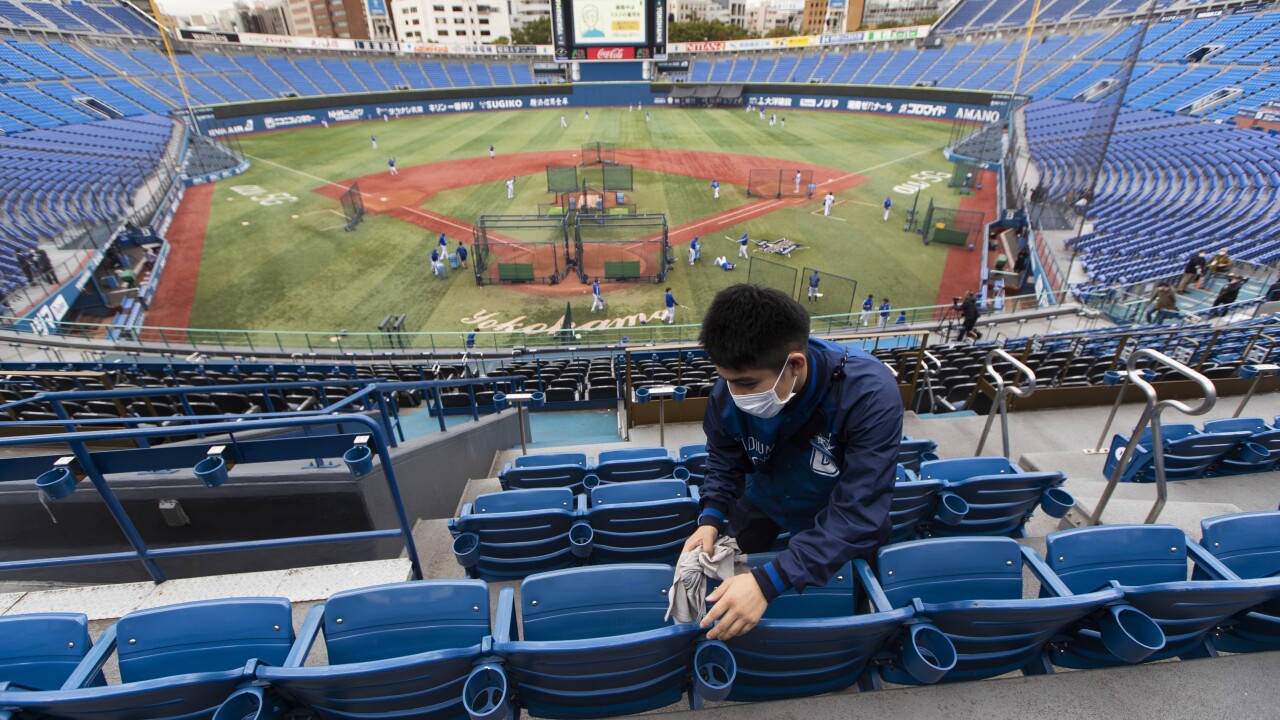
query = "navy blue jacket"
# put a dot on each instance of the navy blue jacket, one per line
(828, 482)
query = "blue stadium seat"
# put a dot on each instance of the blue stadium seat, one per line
(1248, 544)
(608, 652)
(915, 502)
(401, 650)
(913, 451)
(818, 642)
(551, 470)
(1188, 452)
(999, 495)
(178, 661)
(1148, 563)
(694, 459)
(40, 651)
(1247, 457)
(645, 521)
(508, 535)
(972, 590)
(633, 464)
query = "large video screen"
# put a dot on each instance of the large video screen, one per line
(609, 29)
(610, 22)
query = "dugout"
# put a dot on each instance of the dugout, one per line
(621, 248)
(511, 249)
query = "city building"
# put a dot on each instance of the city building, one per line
(451, 21)
(330, 18)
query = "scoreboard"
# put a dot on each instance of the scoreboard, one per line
(609, 29)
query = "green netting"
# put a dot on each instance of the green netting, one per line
(771, 274)
(561, 178)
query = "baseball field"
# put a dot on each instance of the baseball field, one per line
(267, 250)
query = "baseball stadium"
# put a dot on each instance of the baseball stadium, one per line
(378, 342)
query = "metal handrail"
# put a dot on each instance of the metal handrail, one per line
(79, 443)
(1151, 416)
(1003, 391)
(932, 365)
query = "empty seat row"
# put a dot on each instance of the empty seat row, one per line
(1223, 447)
(595, 642)
(572, 470)
(511, 534)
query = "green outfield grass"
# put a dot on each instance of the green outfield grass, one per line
(292, 267)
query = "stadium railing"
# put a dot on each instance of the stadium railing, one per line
(58, 475)
(345, 344)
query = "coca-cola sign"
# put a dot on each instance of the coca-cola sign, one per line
(605, 53)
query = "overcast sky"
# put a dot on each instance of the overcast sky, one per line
(194, 7)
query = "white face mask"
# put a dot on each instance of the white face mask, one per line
(765, 404)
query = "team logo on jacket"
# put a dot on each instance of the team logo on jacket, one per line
(822, 458)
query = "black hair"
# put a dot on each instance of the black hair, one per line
(752, 327)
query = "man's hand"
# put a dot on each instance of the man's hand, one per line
(705, 537)
(738, 605)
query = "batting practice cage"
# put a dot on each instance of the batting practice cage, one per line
(621, 248)
(951, 226)
(352, 206)
(836, 293)
(780, 183)
(562, 178)
(771, 275)
(598, 153)
(588, 201)
(520, 249)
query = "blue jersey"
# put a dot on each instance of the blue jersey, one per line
(595, 289)
(813, 280)
(462, 252)
(884, 310)
(888, 203)
(671, 300)
(443, 241)
(831, 490)
(694, 244)
(742, 240)
(715, 183)
(867, 305)
(435, 256)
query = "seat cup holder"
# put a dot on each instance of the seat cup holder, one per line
(951, 509)
(500, 401)
(538, 399)
(485, 694)
(57, 483)
(928, 456)
(1251, 453)
(466, 548)
(927, 654)
(642, 395)
(212, 471)
(714, 670)
(1248, 372)
(681, 473)
(1130, 634)
(679, 392)
(1056, 502)
(581, 539)
(245, 704)
(590, 482)
(359, 460)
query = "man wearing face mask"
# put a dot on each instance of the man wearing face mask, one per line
(802, 437)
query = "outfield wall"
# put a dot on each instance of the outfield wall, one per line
(245, 118)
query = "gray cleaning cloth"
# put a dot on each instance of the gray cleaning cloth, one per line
(687, 601)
